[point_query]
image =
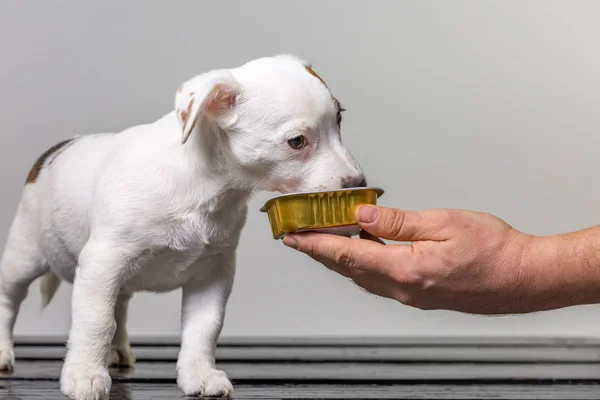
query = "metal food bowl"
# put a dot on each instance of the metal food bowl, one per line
(327, 211)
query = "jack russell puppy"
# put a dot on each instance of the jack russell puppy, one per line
(160, 206)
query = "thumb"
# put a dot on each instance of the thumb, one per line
(400, 225)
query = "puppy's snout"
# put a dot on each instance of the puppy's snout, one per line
(354, 182)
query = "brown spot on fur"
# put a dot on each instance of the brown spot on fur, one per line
(335, 101)
(180, 89)
(185, 115)
(313, 73)
(39, 164)
(189, 107)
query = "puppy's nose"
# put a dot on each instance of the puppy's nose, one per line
(354, 182)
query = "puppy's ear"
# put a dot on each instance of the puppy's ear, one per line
(213, 94)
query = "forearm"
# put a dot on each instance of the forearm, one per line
(567, 268)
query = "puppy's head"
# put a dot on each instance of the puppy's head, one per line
(275, 124)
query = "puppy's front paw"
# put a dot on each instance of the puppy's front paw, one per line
(7, 359)
(204, 382)
(121, 356)
(82, 384)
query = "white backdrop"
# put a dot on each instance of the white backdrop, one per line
(485, 105)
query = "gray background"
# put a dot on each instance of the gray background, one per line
(482, 105)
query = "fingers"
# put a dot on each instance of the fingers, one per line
(376, 284)
(345, 252)
(373, 283)
(340, 269)
(400, 225)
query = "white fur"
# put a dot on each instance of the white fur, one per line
(159, 207)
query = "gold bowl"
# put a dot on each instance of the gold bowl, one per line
(327, 211)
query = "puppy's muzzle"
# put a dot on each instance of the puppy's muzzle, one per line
(354, 182)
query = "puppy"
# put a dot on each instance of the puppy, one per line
(160, 206)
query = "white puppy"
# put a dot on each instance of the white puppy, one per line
(160, 206)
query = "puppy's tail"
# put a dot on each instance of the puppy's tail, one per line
(49, 284)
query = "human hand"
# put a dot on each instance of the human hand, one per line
(458, 260)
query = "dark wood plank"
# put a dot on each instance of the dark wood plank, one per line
(341, 372)
(17, 390)
(416, 353)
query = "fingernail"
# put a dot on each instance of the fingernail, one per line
(290, 241)
(367, 214)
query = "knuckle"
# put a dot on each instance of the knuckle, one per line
(311, 246)
(307, 247)
(393, 222)
(311, 249)
(343, 256)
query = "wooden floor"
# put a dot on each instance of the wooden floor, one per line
(467, 368)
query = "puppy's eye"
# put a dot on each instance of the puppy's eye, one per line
(339, 116)
(297, 142)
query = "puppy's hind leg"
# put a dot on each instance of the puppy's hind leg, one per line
(22, 263)
(120, 350)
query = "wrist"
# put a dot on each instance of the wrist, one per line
(565, 268)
